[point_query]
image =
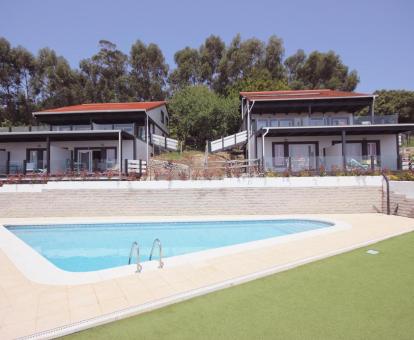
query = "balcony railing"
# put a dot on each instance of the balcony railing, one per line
(86, 127)
(330, 163)
(366, 120)
(326, 121)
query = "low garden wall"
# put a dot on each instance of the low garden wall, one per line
(402, 198)
(232, 196)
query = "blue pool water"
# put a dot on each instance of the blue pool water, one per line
(89, 247)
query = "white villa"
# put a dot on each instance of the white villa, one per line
(88, 137)
(314, 129)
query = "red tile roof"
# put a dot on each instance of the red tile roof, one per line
(105, 107)
(301, 95)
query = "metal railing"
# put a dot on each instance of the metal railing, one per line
(157, 242)
(330, 163)
(135, 246)
(385, 119)
(329, 121)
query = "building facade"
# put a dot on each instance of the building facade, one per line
(320, 129)
(88, 137)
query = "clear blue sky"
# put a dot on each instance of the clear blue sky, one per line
(374, 37)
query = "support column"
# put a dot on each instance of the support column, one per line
(134, 148)
(343, 141)
(263, 152)
(371, 110)
(147, 138)
(8, 163)
(120, 152)
(397, 140)
(72, 167)
(48, 154)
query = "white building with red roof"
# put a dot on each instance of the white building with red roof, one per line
(313, 130)
(89, 138)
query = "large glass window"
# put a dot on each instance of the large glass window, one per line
(141, 132)
(372, 149)
(278, 155)
(354, 151)
(302, 156)
(36, 159)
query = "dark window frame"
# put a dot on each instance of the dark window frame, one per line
(286, 148)
(75, 150)
(364, 143)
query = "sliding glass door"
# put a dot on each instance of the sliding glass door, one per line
(302, 156)
(36, 159)
(296, 156)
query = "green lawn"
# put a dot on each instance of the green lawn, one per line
(350, 296)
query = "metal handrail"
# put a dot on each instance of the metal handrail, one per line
(157, 241)
(135, 246)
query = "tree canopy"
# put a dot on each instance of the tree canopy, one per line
(216, 70)
(199, 114)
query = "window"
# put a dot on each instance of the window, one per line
(153, 128)
(278, 155)
(36, 159)
(141, 132)
(162, 117)
(371, 149)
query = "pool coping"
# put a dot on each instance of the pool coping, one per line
(146, 307)
(38, 269)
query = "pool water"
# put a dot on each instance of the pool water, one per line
(90, 247)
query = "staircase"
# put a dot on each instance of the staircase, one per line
(228, 142)
(164, 142)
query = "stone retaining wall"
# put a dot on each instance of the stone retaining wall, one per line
(192, 201)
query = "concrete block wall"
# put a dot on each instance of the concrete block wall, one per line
(400, 205)
(192, 201)
(401, 198)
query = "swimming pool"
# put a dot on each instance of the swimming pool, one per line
(91, 247)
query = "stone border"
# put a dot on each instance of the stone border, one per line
(146, 307)
(38, 269)
(244, 182)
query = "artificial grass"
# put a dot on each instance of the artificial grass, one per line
(349, 296)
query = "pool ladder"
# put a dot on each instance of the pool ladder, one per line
(135, 246)
(157, 242)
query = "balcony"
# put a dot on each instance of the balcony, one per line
(338, 120)
(366, 120)
(129, 128)
(330, 163)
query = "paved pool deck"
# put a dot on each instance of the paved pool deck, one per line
(49, 310)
